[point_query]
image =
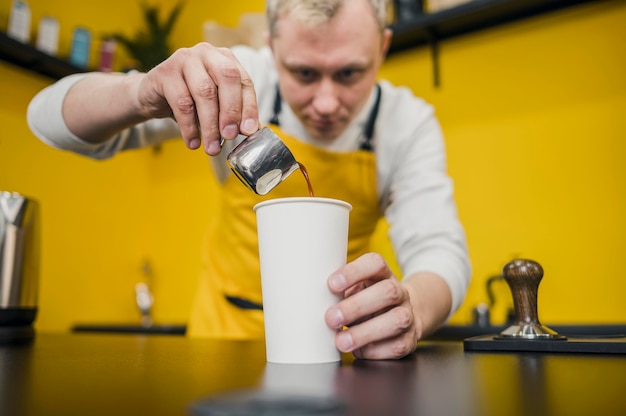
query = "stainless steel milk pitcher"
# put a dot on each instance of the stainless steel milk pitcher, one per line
(19, 257)
(262, 161)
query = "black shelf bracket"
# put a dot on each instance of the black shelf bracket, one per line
(434, 56)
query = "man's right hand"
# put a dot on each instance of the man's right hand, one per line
(206, 90)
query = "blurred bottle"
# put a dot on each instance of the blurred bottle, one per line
(19, 21)
(107, 51)
(81, 46)
(48, 35)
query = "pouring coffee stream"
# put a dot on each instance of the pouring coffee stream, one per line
(305, 173)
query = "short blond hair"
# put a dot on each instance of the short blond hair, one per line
(317, 11)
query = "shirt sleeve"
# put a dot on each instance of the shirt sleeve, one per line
(45, 119)
(417, 194)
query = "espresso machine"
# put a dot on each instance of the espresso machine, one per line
(19, 267)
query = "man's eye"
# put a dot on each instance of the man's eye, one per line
(346, 75)
(305, 75)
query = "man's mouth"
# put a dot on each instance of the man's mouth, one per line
(323, 124)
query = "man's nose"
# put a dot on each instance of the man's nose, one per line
(326, 100)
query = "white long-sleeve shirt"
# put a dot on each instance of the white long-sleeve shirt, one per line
(415, 192)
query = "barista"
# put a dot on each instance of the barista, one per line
(364, 141)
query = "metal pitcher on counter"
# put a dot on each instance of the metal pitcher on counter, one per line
(19, 266)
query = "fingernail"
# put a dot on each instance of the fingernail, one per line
(337, 282)
(214, 148)
(249, 126)
(344, 342)
(335, 318)
(194, 143)
(230, 131)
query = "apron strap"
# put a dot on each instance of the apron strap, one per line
(368, 129)
(243, 303)
(277, 108)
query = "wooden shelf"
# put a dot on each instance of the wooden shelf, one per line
(430, 28)
(32, 59)
(426, 29)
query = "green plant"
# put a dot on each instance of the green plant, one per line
(150, 46)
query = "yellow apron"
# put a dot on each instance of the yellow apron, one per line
(230, 263)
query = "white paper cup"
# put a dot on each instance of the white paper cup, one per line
(301, 242)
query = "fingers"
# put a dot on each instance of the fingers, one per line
(238, 109)
(374, 300)
(376, 310)
(387, 336)
(209, 94)
(250, 110)
(222, 92)
(183, 110)
(369, 267)
(368, 286)
(203, 93)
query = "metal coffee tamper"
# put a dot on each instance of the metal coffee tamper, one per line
(523, 278)
(262, 161)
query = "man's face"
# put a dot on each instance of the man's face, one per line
(327, 71)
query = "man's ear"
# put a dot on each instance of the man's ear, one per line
(386, 41)
(268, 39)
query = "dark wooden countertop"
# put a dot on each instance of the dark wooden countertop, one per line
(124, 374)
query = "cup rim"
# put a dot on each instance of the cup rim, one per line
(303, 199)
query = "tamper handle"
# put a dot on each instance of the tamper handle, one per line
(523, 278)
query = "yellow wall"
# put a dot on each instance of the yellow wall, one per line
(534, 119)
(533, 115)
